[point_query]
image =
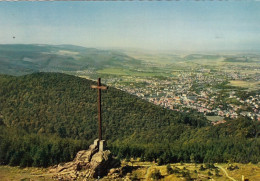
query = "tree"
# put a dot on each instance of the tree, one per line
(16, 158)
(142, 159)
(192, 160)
(40, 158)
(26, 161)
(127, 159)
(169, 169)
(161, 161)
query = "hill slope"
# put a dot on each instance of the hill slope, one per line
(20, 59)
(49, 105)
(66, 105)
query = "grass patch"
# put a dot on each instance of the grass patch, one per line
(245, 84)
(124, 72)
(214, 118)
(250, 171)
(113, 71)
(144, 170)
(8, 173)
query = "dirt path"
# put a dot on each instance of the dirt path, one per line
(231, 178)
(148, 169)
(50, 174)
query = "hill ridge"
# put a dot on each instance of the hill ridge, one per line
(64, 106)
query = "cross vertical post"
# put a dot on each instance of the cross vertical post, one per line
(99, 111)
(99, 88)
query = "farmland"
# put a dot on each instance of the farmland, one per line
(246, 84)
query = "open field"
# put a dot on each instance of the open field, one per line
(113, 71)
(121, 72)
(245, 84)
(215, 118)
(144, 170)
(8, 173)
(252, 172)
(155, 57)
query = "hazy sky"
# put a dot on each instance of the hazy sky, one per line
(218, 25)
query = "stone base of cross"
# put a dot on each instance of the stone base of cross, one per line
(101, 144)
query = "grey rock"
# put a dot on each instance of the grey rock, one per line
(88, 164)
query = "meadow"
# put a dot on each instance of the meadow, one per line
(144, 171)
(245, 84)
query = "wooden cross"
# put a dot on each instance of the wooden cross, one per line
(99, 87)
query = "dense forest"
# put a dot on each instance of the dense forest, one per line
(45, 118)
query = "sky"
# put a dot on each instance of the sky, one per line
(156, 25)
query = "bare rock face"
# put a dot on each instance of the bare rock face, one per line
(88, 164)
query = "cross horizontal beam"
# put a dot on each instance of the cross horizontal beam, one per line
(99, 87)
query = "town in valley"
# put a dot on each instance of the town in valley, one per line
(221, 87)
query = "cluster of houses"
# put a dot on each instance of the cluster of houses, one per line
(196, 88)
(197, 92)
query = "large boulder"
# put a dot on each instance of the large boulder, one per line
(88, 164)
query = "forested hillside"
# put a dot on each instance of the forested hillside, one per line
(63, 108)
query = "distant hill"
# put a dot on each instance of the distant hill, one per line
(238, 59)
(21, 59)
(57, 106)
(201, 56)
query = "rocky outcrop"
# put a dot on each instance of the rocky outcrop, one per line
(88, 164)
